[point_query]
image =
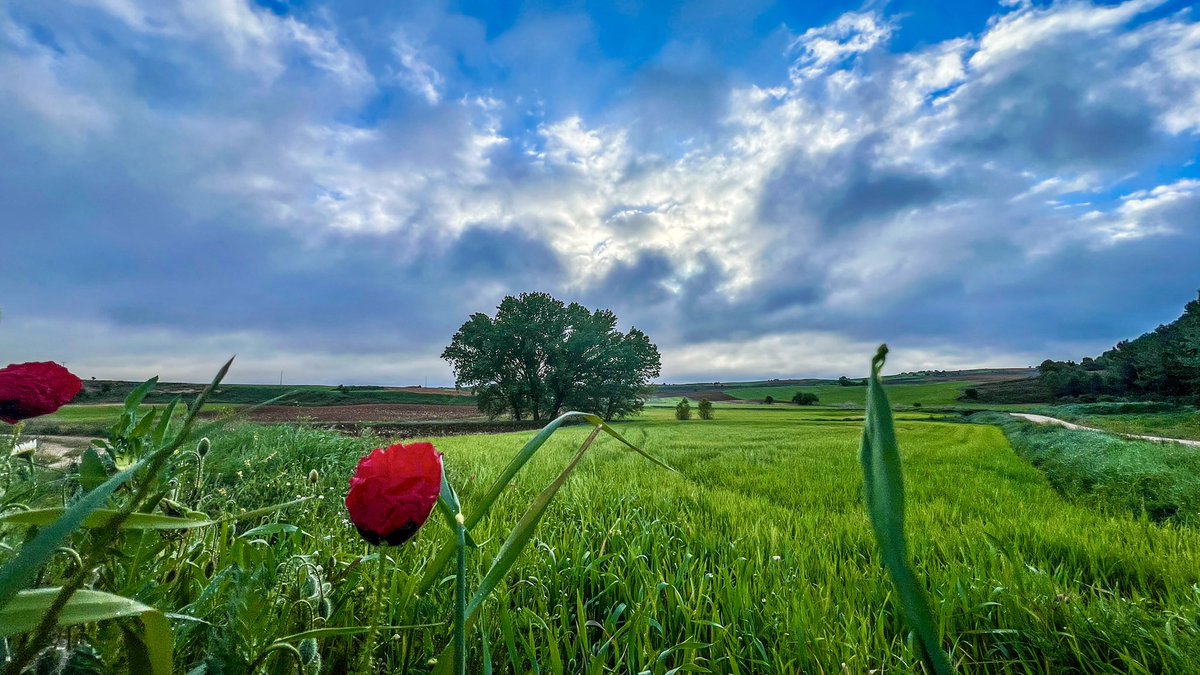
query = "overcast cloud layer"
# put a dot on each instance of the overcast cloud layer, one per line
(331, 190)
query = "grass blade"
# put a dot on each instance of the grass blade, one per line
(517, 539)
(883, 491)
(484, 506)
(102, 517)
(149, 650)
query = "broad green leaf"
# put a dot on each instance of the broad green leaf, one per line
(102, 517)
(149, 650)
(144, 424)
(138, 395)
(91, 470)
(883, 492)
(164, 422)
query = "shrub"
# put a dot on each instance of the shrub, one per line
(706, 412)
(769, 400)
(683, 410)
(971, 393)
(805, 398)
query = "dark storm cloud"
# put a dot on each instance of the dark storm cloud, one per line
(843, 190)
(1057, 107)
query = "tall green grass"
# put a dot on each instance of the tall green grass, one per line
(756, 557)
(1149, 418)
(927, 394)
(1160, 481)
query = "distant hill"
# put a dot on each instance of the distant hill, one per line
(929, 387)
(115, 391)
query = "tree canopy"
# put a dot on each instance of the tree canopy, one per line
(1164, 363)
(539, 356)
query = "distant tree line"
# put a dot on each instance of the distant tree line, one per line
(1164, 363)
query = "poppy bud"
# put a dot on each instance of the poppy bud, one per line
(314, 477)
(393, 491)
(34, 389)
(204, 446)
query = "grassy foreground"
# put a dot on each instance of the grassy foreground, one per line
(1147, 418)
(1160, 481)
(757, 557)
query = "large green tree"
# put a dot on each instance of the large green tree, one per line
(539, 356)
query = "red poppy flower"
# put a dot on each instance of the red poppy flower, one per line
(33, 389)
(393, 491)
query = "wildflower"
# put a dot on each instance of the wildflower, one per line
(34, 389)
(393, 491)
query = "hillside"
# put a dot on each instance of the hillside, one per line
(934, 387)
(115, 391)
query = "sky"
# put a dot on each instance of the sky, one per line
(328, 190)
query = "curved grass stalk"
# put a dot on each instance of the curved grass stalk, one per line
(883, 492)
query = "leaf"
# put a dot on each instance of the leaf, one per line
(149, 650)
(22, 570)
(136, 396)
(144, 424)
(91, 470)
(262, 511)
(164, 422)
(319, 633)
(101, 518)
(883, 492)
(271, 528)
(450, 507)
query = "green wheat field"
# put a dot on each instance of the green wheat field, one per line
(756, 557)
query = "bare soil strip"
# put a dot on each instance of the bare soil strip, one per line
(382, 412)
(1043, 419)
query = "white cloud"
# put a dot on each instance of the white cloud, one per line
(1158, 211)
(851, 188)
(415, 74)
(851, 34)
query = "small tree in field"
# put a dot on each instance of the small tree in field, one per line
(804, 398)
(683, 410)
(706, 409)
(769, 400)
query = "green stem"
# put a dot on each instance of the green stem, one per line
(460, 600)
(376, 608)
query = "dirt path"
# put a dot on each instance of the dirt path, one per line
(371, 412)
(57, 451)
(1042, 419)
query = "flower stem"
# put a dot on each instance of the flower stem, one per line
(460, 601)
(368, 653)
